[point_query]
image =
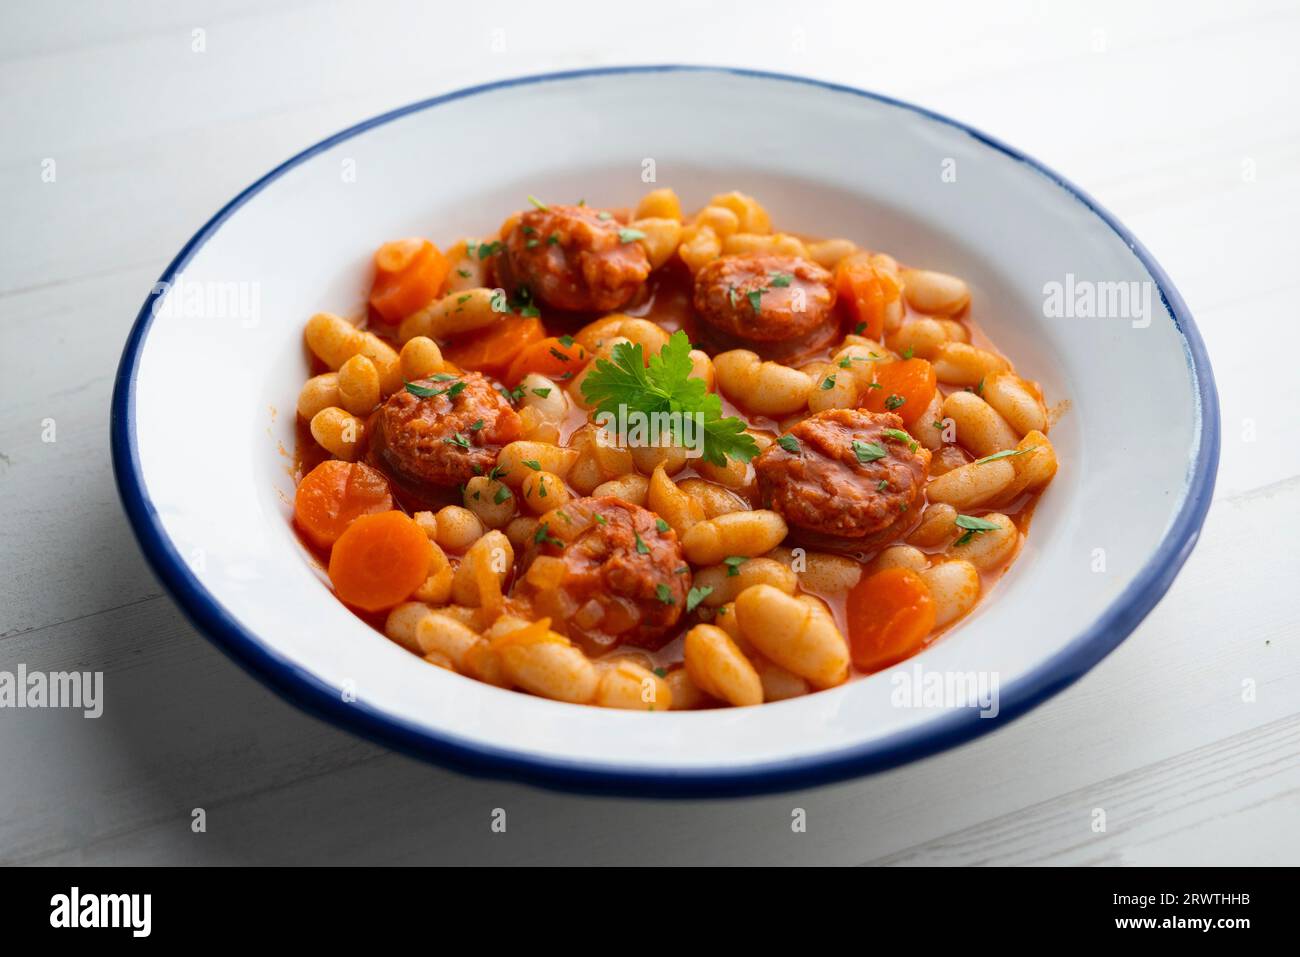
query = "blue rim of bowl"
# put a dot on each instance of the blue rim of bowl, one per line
(317, 697)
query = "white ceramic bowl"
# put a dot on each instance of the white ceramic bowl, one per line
(204, 405)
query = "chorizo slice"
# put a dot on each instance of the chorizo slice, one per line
(574, 258)
(845, 478)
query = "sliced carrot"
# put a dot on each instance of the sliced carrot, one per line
(379, 561)
(862, 293)
(409, 274)
(554, 357)
(491, 350)
(905, 387)
(333, 494)
(890, 614)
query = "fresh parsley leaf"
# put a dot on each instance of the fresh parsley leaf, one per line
(538, 203)
(641, 547)
(781, 279)
(697, 595)
(900, 436)
(789, 443)
(662, 525)
(894, 401)
(975, 524)
(907, 353)
(458, 439)
(733, 564)
(566, 341)
(502, 494)
(422, 391)
(665, 594)
(868, 451)
(533, 464)
(1004, 454)
(542, 393)
(665, 385)
(755, 298)
(828, 383)
(626, 235)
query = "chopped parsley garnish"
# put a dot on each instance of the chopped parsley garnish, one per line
(1005, 454)
(733, 564)
(789, 443)
(868, 451)
(972, 526)
(542, 393)
(781, 279)
(476, 426)
(502, 494)
(907, 353)
(424, 392)
(488, 249)
(630, 235)
(860, 328)
(665, 594)
(697, 595)
(604, 215)
(901, 436)
(894, 401)
(662, 525)
(661, 672)
(496, 473)
(666, 385)
(458, 439)
(529, 244)
(979, 389)
(882, 485)
(541, 489)
(756, 298)
(533, 464)
(464, 273)
(553, 239)
(566, 341)
(543, 534)
(828, 383)
(641, 547)
(538, 203)
(601, 520)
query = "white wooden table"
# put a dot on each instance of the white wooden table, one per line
(1183, 121)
